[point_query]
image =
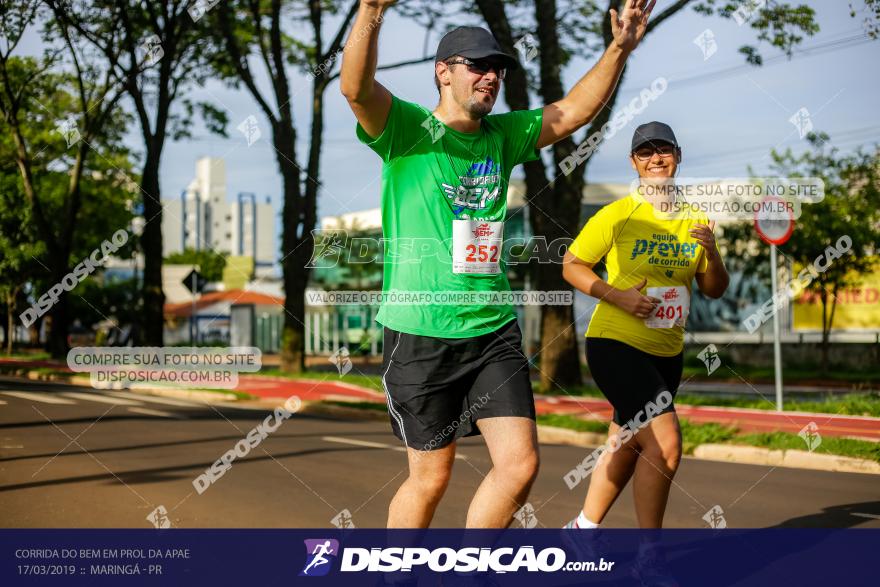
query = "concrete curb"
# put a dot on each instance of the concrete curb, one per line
(321, 409)
(554, 435)
(730, 453)
(209, 397)
(797, 459)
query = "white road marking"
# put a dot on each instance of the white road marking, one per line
(369, 444)
(46, 398)
(871, 516)
(160, 413)
(100, 398)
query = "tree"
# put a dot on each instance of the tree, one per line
(247, 28)
(19, 247)
(850, 208)
(62, 122)
(211, 263)
(555, 204)
(155, 51)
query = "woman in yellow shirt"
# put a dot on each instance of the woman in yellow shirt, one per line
(636, 334)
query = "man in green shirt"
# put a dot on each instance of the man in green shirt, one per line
(453, 364)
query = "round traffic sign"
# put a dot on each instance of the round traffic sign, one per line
(774, 230)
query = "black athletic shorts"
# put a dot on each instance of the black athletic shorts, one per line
(437, 388)
(631, 378)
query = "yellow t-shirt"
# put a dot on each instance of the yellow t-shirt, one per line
(637, 244)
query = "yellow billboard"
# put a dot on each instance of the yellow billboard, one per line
(858, 306)
(237, 272)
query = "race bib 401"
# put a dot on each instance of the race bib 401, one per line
(673, 308)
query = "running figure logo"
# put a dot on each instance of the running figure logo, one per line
(710, 358)
(320, 554)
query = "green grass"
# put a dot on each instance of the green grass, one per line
(792, 374)
(572, 423)
(861, 449)
(240, 395)
(581, 391)
(693, 435)
(23, 371)
(373, 382)
(38, 356)
(852, 404)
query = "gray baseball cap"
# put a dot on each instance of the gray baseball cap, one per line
(653, 132)
(472, 42)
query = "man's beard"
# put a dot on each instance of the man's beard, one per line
(477, 108)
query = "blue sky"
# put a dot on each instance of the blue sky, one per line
(724, 122)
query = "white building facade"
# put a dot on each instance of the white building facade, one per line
(203, 218)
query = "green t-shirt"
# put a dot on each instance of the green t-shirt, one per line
(431, 175)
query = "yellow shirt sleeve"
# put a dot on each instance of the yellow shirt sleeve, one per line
(703, 264)
(595, 238)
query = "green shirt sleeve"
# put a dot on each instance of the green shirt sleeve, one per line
(521, 129)
(404, 128)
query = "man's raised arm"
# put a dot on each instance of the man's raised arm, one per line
(368, 99)
(587, 97)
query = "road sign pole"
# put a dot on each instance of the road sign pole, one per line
(192, 315)
(777, 350)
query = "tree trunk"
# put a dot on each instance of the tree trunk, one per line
(559, 361)
(292, 245)
(56, 342)
(293, 335)
(826, 331)
(151, 328)
(556, 215)
(10, 318)
(823, 361)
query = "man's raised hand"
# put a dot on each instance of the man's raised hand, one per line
(629, 26)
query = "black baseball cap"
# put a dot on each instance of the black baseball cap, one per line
(653, 132)
(472, 42)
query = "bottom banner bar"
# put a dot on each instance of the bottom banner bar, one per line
(321, 557)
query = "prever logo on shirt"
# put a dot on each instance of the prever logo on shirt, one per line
(478, 189)
(320, 554)
(665, 250)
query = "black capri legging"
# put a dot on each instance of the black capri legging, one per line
(631, 378)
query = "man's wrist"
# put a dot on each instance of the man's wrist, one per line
(373, 11)
(615, 51)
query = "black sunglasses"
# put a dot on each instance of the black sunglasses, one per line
(481, 66)
(646, 152)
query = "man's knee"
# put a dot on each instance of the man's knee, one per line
(522, 470)
(432, 482)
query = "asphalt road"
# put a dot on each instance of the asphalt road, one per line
(71, 457)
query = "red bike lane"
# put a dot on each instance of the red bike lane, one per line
(747, 420)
